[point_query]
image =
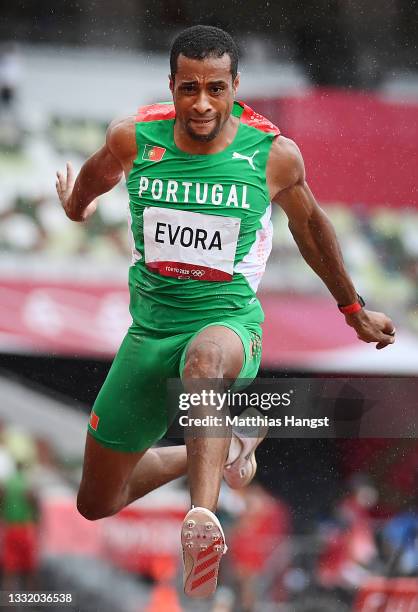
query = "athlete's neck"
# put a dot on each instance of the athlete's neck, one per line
(186, 143)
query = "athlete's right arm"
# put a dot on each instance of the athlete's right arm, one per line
(99, 174)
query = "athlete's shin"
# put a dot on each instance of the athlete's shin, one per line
(206, 459)
(207, 440)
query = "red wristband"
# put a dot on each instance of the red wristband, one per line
(352, 308)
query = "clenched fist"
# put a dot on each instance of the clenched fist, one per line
(372, 327)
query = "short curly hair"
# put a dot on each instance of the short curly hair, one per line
(202, 41)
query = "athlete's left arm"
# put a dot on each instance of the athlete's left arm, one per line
(316, 239)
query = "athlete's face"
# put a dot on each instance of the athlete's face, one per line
(203, 93)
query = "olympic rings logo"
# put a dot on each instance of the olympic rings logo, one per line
(198, 273)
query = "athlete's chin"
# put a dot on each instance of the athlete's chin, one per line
(202, 136)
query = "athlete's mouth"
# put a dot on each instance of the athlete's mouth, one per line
(202, 121)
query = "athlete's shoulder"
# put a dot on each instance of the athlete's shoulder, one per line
(286, 162)
(252, 118)
(120, 137)
(286, 150)
(155, 112)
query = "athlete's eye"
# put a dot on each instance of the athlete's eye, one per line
(187, 88)
(217, 90)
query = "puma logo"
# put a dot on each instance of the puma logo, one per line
(236, 155)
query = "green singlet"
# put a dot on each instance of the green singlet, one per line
(201, 236)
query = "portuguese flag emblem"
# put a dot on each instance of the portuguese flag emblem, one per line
(94, 420)
(154, 154)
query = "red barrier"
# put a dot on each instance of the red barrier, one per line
(144, 540)
(394, 595)
(91, 319)
(358, 148)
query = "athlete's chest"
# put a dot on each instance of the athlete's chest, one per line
(194, 192)
(199, 186)
(232, 181)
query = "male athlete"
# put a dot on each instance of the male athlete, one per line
(201, 174)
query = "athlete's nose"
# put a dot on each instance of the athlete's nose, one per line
(202, 104)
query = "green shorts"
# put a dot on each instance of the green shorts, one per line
(131, 413)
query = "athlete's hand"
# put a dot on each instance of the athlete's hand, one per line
(372, 327)
(65, 185)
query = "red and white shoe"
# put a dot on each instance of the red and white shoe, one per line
(241, 465)
(203, 543)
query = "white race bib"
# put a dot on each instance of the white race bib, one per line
(185, 244)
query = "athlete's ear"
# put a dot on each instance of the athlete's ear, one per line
(171, 83)
(235, 83)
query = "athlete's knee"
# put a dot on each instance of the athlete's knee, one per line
(204, 360)
(94, 509)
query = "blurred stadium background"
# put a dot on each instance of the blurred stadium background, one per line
(334, 518)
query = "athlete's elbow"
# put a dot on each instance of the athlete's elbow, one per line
(78, 214)
(73, 216)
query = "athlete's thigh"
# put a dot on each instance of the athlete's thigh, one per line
(105, 473)
(243, 347)
(130, 413)
(228, 342)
